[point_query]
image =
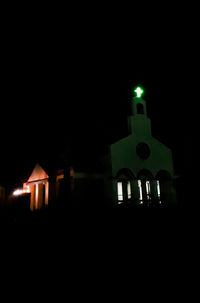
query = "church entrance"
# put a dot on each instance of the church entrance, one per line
(146, 187)
(124, 186)
(123, 191)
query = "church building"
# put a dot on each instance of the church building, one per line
(140, 168)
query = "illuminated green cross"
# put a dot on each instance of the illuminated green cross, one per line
(139, 91)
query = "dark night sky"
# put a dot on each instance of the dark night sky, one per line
(62, 86)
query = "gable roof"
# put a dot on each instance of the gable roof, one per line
(38, 173)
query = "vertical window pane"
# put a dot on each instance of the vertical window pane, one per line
(148, 189)
(158, 188)
(129, 189)
(119, 191)
(140, 190)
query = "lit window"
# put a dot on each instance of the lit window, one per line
(129, 189)
(119, 191)
(140, 190)
(158, 189)
(148, 190)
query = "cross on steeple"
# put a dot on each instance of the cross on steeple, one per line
(139, 91)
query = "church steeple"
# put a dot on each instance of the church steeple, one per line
(139, 123)
(138, 103)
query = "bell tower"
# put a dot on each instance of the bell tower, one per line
(139, 123)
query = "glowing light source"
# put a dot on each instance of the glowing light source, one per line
(148, 190)
(139, 91)
(158, 191)
(17, 192)
(120, 192)
(21, 191)
(129, 189)
(158, 188)
(140, 191)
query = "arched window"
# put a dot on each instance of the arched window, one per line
(124, 188)
(140, 109)
(145, 179)
(164, 186)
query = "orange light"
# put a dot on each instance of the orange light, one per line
(26, 188)
(19, 191)
(71, 172)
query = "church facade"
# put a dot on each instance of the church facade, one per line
(140, 168)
